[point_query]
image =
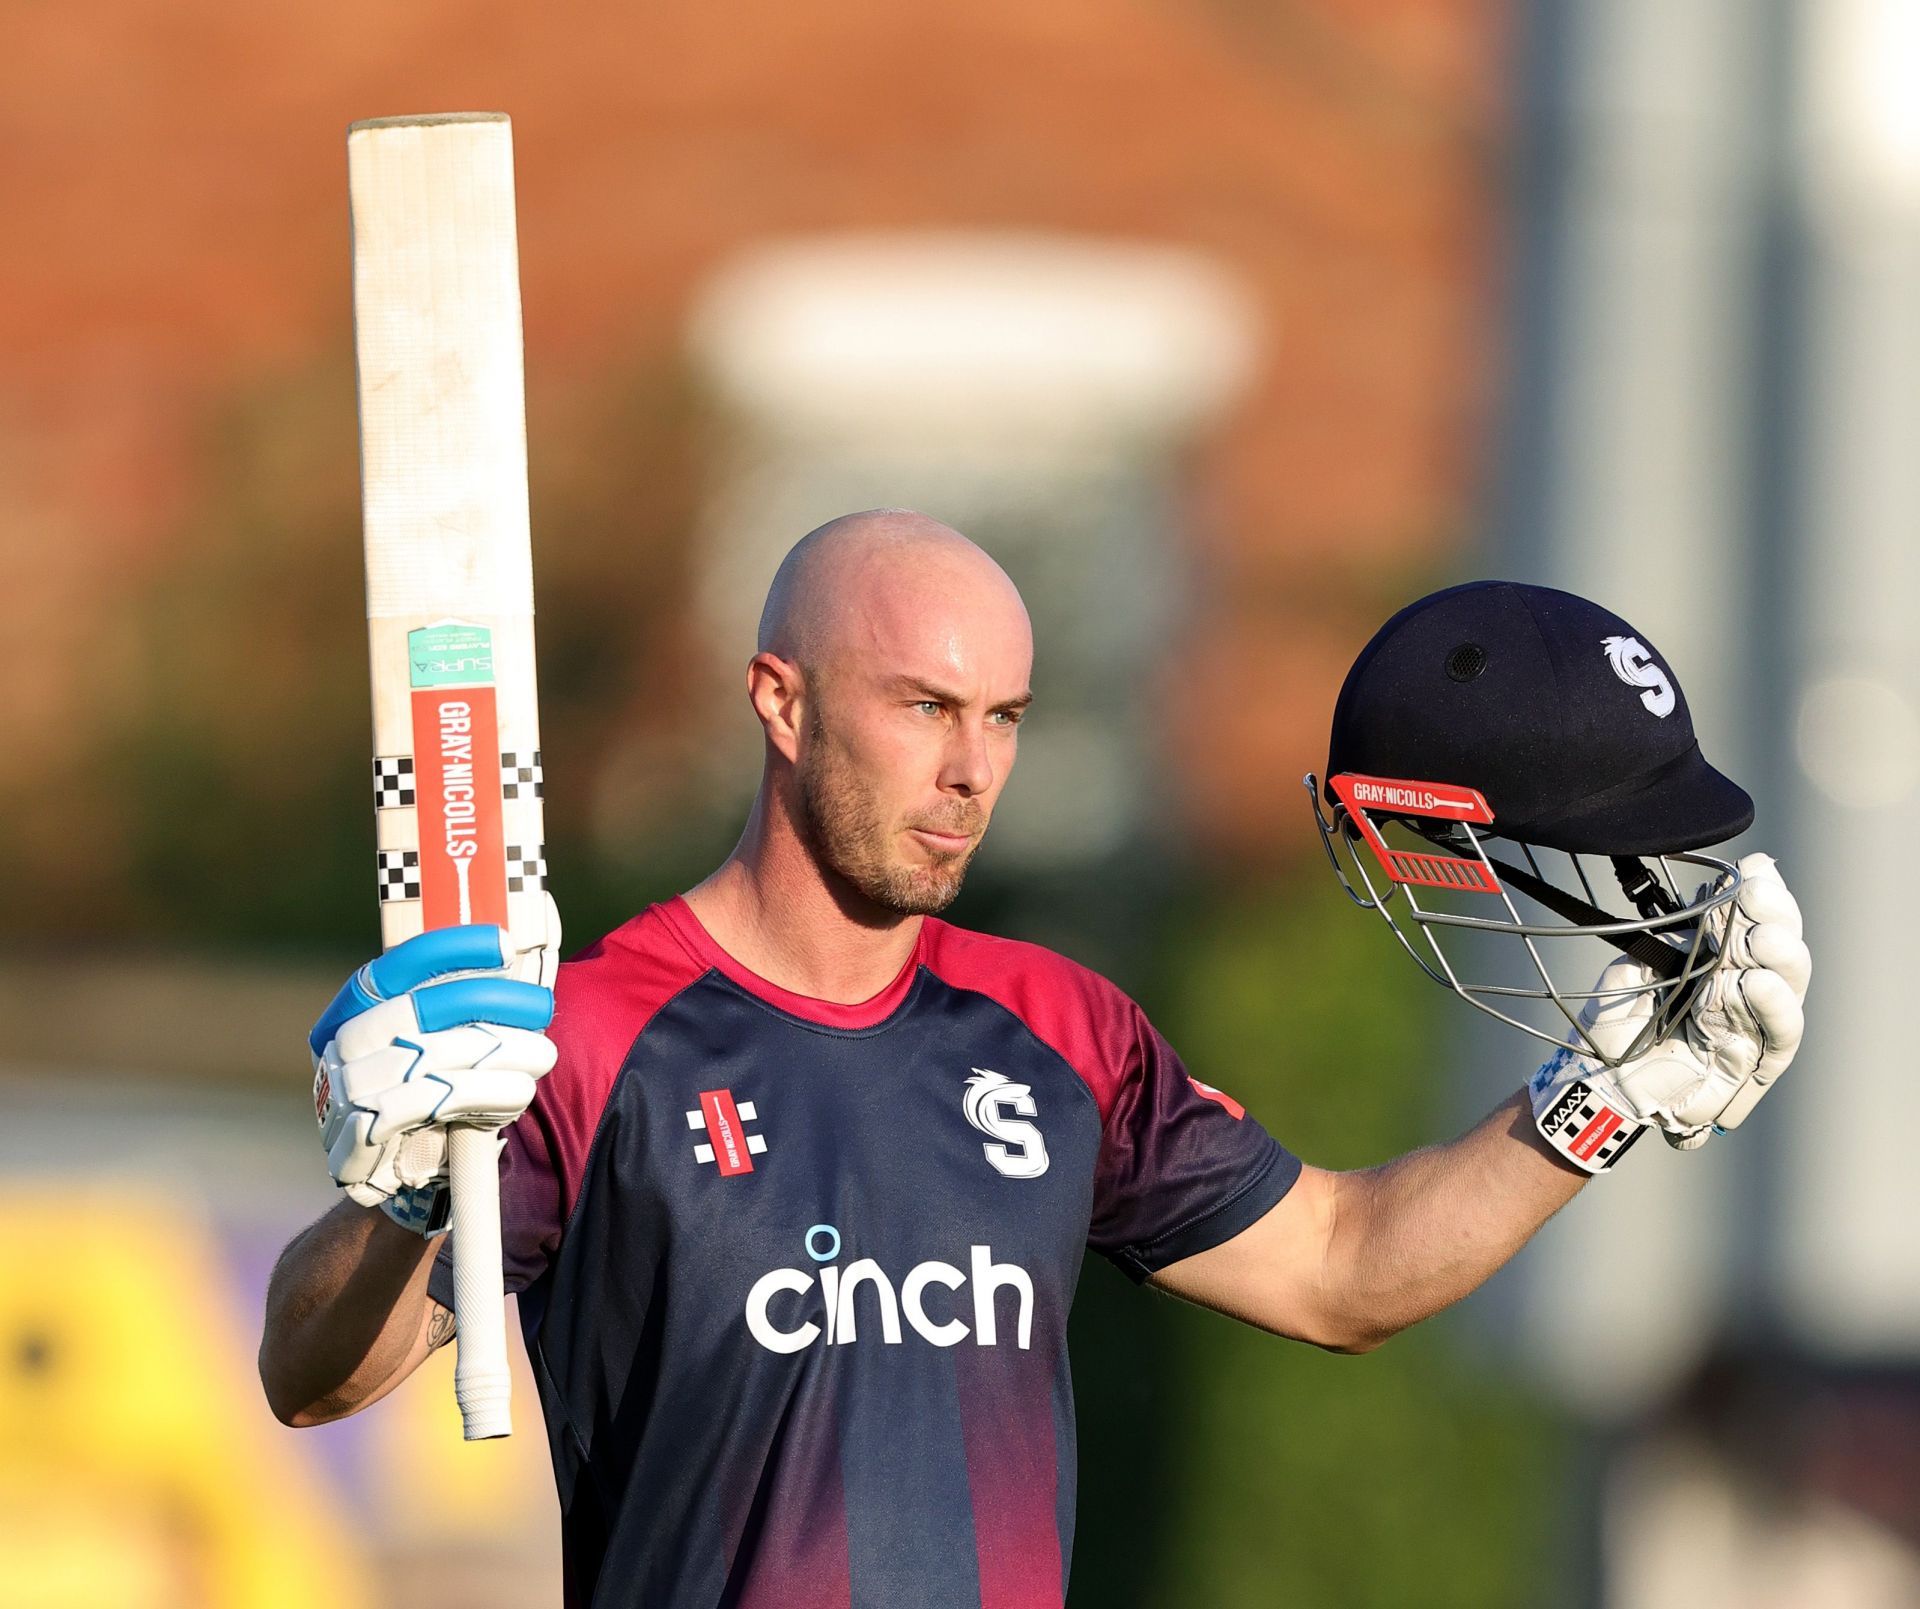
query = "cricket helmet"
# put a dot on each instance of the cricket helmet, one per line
(1522, 744)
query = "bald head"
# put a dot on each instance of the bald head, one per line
(857, 575)
(890, 679)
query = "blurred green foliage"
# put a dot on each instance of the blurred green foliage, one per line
(234, 765)
(1228, 1468)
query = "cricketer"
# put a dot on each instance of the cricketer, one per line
(796, 1177)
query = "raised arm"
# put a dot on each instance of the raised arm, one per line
(348, 1315)
(435, 1032)
(1348, 1259)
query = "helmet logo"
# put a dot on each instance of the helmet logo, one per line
(1393, 797)
(1635, 666)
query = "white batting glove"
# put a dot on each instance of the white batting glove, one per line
(437, 1031)
(1738, 1035)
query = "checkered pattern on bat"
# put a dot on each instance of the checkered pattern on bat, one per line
(521, 776)
(392, 781)
(399, 874)
(526, 868)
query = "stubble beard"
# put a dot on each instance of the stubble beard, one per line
(841, 822)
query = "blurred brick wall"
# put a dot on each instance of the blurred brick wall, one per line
(177, 232)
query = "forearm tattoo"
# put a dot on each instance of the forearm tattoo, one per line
(440, 1327)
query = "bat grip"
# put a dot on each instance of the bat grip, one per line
(481, 1381)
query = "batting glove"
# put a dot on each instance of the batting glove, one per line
(437, 1031)
(1737, 1036)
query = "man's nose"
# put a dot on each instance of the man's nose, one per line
(969, 765)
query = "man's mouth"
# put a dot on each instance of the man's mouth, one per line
(942, 840)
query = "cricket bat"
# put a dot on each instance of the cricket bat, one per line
(443, 477)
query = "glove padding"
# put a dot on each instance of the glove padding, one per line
(445, 1028)
(1738, 1035)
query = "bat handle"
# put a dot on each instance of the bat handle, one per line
(481, 1381)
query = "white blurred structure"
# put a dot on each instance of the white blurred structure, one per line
(1038, 393)
(1626, 484)
(1849, 1268)
(1687, 1532)
(1716, 431)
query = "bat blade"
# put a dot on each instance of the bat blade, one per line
(443, 469)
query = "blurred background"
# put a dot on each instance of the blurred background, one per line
(1229, 327)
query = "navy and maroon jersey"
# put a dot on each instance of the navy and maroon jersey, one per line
(794, 1276)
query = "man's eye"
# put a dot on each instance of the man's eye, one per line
(931, 705)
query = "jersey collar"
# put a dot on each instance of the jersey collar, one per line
(867, 1013)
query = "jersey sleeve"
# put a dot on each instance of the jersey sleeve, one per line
(1182, 1166)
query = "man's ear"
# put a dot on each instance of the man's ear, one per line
(777, 689)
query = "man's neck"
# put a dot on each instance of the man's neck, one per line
(778, 912)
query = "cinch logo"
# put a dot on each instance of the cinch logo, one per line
(995, 1105)
(833, 1313)
(1634, 664)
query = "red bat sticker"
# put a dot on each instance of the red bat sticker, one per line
(456, 758)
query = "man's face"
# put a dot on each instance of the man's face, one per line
(906, 753)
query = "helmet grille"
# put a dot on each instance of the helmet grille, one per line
(1466, 662)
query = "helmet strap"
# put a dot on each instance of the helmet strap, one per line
(1639, 884)
(1636, 881)
(1642, 946)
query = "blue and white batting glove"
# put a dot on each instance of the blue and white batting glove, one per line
(1738, 1035)
(436, 1031)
